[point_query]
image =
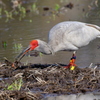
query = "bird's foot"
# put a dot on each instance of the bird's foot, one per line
(71, 66)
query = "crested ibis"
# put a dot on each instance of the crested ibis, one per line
(65, 36)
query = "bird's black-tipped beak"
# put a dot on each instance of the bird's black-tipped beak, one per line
(22, 54)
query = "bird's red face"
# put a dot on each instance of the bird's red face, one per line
(33, 44)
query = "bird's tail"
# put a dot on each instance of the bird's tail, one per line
(96, 27)
(98, 36)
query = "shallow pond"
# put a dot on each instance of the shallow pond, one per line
(16, 33)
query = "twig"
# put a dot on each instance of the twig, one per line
(32, 96)
(91, 65)
(40, 80)
(94, 70)
(78, 81)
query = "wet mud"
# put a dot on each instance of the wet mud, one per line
(35, 81)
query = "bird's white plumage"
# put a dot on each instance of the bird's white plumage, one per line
(71, 35)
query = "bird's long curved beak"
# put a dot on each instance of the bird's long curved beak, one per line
(22, 54)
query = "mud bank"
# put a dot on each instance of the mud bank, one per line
(36, 82)
(80, 96)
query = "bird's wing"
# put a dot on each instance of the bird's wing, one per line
(64, 28)
(58, 35)
(83, 35)
(71, 35)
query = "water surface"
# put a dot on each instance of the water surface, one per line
(33, 26)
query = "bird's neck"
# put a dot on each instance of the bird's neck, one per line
(44, 47)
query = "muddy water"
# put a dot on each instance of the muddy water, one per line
(33, 26)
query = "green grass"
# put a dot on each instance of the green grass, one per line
(16, 85)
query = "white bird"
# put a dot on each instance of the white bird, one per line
(65, 36)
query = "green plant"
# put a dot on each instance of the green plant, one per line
(4, 44)
(34, 8)
(40, 54)
(16, 85)
(17, 46)
(8, 15)
(57, 7)
(22, 13)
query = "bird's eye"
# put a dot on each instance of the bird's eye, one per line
(35, 44)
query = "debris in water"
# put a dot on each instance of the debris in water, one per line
(46, 8)
(70, 6)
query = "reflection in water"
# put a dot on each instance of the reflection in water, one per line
(35, 26)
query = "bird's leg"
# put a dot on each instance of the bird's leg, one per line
(72, 64)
